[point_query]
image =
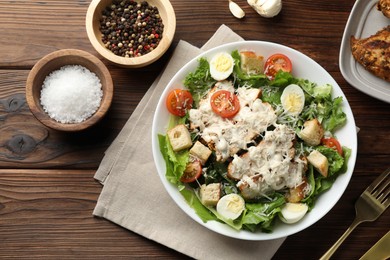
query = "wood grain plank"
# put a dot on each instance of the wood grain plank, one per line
(48, 214)
(27, 37)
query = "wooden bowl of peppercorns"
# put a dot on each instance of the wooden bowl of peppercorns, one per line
(131, 33)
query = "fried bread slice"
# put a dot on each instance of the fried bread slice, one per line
(373, 53)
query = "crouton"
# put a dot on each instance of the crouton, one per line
(319, 161)
(180, 138)
(298, 193)
(210, 194)
(312, 132)
(201, 152)
(251, 63)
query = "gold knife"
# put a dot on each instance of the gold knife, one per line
(381, 250)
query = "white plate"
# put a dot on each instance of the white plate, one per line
(303, 67)
(364, 21)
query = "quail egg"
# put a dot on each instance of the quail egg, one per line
(293, 99)
(221, 66)
(293, 212)
(231, 206)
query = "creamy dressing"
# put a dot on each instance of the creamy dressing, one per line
(228, 136)
(271, 165)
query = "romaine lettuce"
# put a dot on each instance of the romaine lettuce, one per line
(261, 215)
(319, 104)
(335, 160)
(194, 202)
(199, 81)
(175, 162)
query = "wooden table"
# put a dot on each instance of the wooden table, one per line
(47, 190)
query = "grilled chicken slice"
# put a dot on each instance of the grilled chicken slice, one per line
(373, 53)
(384, 7)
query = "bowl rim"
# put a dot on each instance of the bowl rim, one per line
(43, 117)
(134, 62)
(317, 213)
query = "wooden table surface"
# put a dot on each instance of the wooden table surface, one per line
(47, 190)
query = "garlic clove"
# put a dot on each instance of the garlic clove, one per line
(236, 10)
(266, 8)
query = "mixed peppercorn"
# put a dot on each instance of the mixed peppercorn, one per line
(131, 29)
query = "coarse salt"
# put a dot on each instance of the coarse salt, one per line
(71, 94)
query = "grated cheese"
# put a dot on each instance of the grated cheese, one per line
(271, 165)
(71, 94)
(230, 136)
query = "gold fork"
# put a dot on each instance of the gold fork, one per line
(369, 206)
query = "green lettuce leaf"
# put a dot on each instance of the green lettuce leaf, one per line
(272, 95)
(316, 91)
(199, 81)
(335, 160)
(175, 162)
(262, 214)
(337, 166)
(273, 92)
(194, 202)
(310, 198)
(328, 112)
(346, 153)
(336, 118)
(283, 79)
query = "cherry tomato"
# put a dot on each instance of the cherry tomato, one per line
(225, 103)
(332, 143)
(192, 172)
(179, 101)
(275, 63)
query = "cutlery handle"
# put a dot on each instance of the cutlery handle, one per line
(336, 245)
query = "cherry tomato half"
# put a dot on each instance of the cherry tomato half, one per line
(192, 172)
(179, 101)
(275, 63)
(332, 143)
(225, 103)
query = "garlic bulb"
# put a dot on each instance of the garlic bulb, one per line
(236, 10)
(266, 8)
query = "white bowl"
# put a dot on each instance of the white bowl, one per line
(303, 67)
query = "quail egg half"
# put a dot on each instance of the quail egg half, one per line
(231, 206)
(293, 212)
(293, 99)
(221, 66)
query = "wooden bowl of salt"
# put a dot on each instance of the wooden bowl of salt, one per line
(69, 90)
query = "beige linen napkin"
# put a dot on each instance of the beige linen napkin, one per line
(133, 195)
